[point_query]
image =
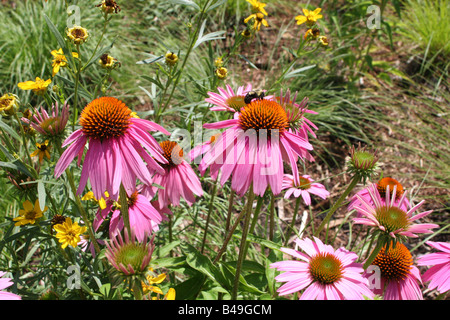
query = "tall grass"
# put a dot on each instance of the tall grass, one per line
(427, 23)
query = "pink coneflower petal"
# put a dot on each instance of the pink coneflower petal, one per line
(439, 273)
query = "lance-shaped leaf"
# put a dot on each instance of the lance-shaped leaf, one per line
(208, 37)
(188, 3)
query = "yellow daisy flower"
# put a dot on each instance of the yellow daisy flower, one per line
(171, 59)
(323, 41)
(8, 103)
(108, 62)
(221, 73)
(310, 17)
(30, 214)
(218, 62)
(41, 151)
(258, 6)
(39, 86)
(101, 202)
(68, 233)
(151, 282)
(259, 19)
(77, 34)
(59, 60)
(312, 34)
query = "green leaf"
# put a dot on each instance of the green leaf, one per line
(297, 72)
(155, 81)
(187, 3)
(164, 250)
(198, 261)
(188, 289)
(58, 36)
(215, 5)
(9, 130)
(243, 284)
(16, 165)
(150, 60)
(208, 37)
(389, 33)
(248, 61)
(99, 54)
(169, 262)
(267, 243)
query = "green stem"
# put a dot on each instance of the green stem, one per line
(255, 219)
(211, 204)
(337, 204)
(229, 235)
(77, 81)
(230, 209)
(272, 217)
(191, 46)
(242, 246)
(137, 290)
(123, 200)
(98, 43)
(294, 217)
(24, 141)
(374, 254)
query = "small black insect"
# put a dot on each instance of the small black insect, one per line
(254, 94)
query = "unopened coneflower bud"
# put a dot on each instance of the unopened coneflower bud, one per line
(50, 124)
(171, 59)
(129, 257)
(363, 162)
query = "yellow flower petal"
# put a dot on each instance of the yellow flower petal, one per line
(300, 19)
(27, 85)
(158, 279)
(170, 294)
(28, 206)
(249, 17)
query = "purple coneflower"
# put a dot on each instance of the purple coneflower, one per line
(323, 273)
(381, 187)
(306, 187)
(178, 179)
(118, 144)
(388, 216)
(254, 145)
(399, 278)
